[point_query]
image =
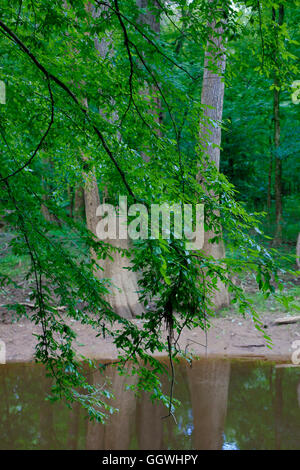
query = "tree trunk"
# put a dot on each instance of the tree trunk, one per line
(269, 195)
(298, 252)
(149, 18)
(79, 204)
(123, 298)
(91, 202)
(278, 166)
(212, 98)
(48, 215)
(278, 163)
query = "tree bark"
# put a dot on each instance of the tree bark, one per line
(48, 215)
(212, 98)
(123, 296)
(269, 195)
(149, 18)
(79, 205)
(278, 166)
(278, 163)
(91, 202)
(298, 252)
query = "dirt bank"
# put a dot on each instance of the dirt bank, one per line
(231, 336)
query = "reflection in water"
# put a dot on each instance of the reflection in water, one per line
(149, 426)
(208, 383)
(117, 433)
(225, 405)
(278, 407)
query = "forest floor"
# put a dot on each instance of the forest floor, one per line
(230, 334)
(227, 337)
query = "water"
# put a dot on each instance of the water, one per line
(225, 405)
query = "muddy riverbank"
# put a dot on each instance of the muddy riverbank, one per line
(230, 336)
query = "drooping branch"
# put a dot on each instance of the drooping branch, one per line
(126, 43)
(42, 139)
(62, 85)
(141, 32)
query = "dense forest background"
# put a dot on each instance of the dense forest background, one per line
(249, 151)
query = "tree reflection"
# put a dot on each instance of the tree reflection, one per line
(116, 434)
(261, 410)
(209, 382)
(262, 407)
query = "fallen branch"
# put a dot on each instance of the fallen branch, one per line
(27, 304)
(286, 320)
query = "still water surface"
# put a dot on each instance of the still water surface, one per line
(225, 405)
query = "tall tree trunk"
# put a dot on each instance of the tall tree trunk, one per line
(269, 193)
(298, 252)
(71, 199)
(148, 17)
(91, 202)
(212, 98)
(278, 163)
(48, 215)
(79, 204)
(76, 198)
(123, 298)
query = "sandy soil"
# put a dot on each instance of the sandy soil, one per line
(227, 337)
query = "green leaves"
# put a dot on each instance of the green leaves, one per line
(141, 94)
